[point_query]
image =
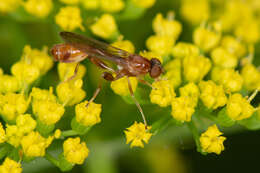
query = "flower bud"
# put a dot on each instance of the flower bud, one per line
(223, 58)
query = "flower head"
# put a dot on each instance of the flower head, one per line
(144, 3)
(162, 93)
(13, 135)
(195, 12)
(48, 112)
(182, 108)
(195, 68)
(105, 27)
(120, 86)
(68, 18)
(239, 108)
(137, 134)
(12, 105)
(160, 44)
(251, 77)
(88, 116)
(166, 27)
(71, 93)
(66, 70)
(233, 46)
(223, 58)
(211, 141)
(25, 123)
(38, 8)
(106, 6)
(173, 72)
(34, 145)
(75, 151)
(42, 94)
(182, 49)
(206, 39)
(10, 166)
(90, 4)
(229, 78)
(190, 90)
(9, 83)
(212, 95)
(38, 58)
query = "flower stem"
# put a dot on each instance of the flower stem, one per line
(51, 159)
(69, 133)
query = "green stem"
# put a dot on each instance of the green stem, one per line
(69, 133)
(161, 124)
(51, 159)
(195, 134)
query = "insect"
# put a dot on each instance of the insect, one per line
(77, 48)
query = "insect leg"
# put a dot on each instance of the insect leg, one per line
(145, 82)
(101, 64)
(74, 75)
(136, 102)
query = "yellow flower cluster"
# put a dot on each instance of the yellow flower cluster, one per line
(251, 77)
(38, 8)
(239, 108)
(120, 86)
(105, 27)
(124, 45)
(191, 91)
(66, 70)
(75, 151)
(144, 3)
(174, 72)
(137, 134)
(182, 49)
(211, 141)
(90, 115)
(162, 93)
(7, 6)
(2, 134)
(212, 95)
(10, 165)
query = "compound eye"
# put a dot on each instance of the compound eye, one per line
(156, 71)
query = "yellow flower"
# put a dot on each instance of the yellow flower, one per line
(223, 58)
(239, 108)
(9, 5)
(120, 86)
(182, 49)
(25, 73)
(137, 134)
(90, 4)
(70, 2)
(106, 5)
(57, 134)
(38, 58)
(248, 30)
(144, 3)
(166, 27)
(71, 93)
(233, 46)
(41, 94)
(13, 135)
(211, 141)
(66, 70)
(34, 145)
(25, 123)
(48, 112)
(212, 95)
(2, 134)
(190, 90)
(88, 116)
(1, 71)
(173, 72)
(149, 55)
(10, 166)
(105, 27)
(38, 8)
(74, 151)
(12, 105)
(161, 45)
(229, 78)
(125, 45)
(182, 108)
(162, 93)
(195, 12)
(206, 39)
(251, 77)
(9, 84)
(69, 18)
(195, 68)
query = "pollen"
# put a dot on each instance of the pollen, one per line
(137, 134)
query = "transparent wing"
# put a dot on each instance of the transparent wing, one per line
(94, 48)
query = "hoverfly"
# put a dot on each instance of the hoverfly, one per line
(77, 48)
